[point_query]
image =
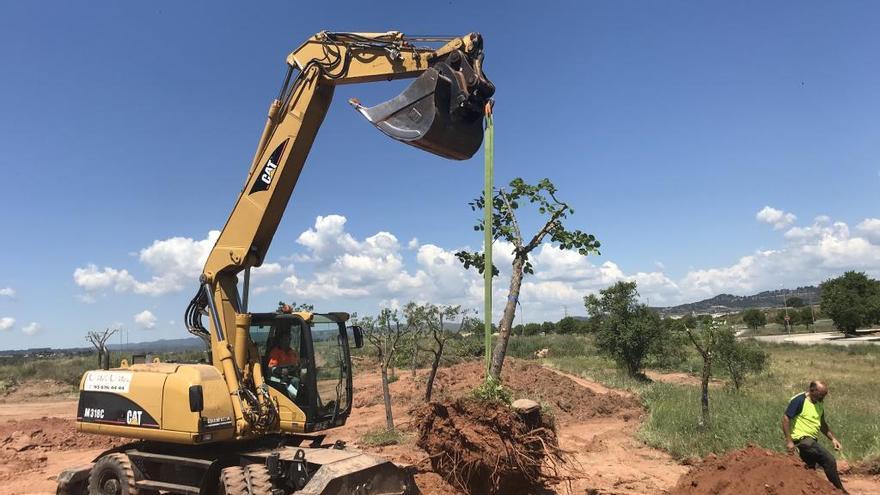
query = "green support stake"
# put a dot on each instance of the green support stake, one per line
(488, 190)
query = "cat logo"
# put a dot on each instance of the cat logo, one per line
(133, 417)
(267, 173)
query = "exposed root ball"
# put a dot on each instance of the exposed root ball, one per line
(486, 448)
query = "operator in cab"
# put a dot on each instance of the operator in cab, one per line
(284, 363)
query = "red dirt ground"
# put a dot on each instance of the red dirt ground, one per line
(598, 432)
(754, 470)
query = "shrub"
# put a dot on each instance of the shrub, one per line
(625, 330)
(492, 390)
(739, 358)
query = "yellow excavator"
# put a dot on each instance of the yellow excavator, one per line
(245, 422)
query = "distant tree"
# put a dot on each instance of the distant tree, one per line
(568, 325)
(284, 307)
(416, 320)
(689, 320)
(671, 349)
(517, 330)
(531, 329)
(437, 317)
(739, 358)
(99, 341)
(385, 333)
(548, 327)
(792, 314)
(805, 317)
(705, 339)
(851, 301)
(754, 318)
(794, 302)
(505, 204)
(626, 331)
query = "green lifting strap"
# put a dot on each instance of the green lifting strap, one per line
(489, 168)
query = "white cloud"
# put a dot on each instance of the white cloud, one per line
(778, 218)
(7, 292)
(6, 323)
(870, 228)
(31, 328)
(265, 271)
(175, 262)
(145, 319)
(337, 271)
(86, 298)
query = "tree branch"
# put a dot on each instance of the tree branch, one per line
(517, 232)
(545, 229)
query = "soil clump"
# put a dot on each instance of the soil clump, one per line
(753, 470)
(26, 445)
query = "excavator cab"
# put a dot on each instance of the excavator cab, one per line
(318, 379)
(441, 111)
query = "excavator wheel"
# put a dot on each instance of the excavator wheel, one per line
(259, 480)
(112, 475)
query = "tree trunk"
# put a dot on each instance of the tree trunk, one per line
(507, 318)
(100, 358)
(704, 384)
(436, 364)
(106, 364)
(386, 394)
(415, 355)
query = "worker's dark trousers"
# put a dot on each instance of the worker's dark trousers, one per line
(812, 452)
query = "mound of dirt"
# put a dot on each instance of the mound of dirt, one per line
(568, 401)
(25, 445)
(753, 470)
(486, 448)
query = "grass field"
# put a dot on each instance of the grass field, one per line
(753, 414)
(68, 370)
(777, 329)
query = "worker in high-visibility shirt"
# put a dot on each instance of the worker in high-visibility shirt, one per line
(804, 418)
(282, 360)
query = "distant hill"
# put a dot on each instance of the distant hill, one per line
(153, 347)
(164, 345)
(729, 303)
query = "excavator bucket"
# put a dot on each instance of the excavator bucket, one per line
(435, 113)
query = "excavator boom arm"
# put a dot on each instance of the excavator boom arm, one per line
(440, 113)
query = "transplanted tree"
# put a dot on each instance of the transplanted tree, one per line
(505, 204)
(385, 334)
(99, 341)
(754, 318)
(437, 317)
(851, 301)
(705, 336)
(625, 330)
(416, 320)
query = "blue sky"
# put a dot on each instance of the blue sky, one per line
(669, 126)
